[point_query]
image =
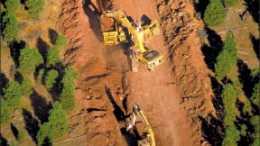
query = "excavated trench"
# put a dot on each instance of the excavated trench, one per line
(177, 92)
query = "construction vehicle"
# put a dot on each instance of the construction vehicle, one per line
(148, 139)
(117, 28)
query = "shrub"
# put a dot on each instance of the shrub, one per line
(34, 7)
(255, 122)
(215, 13)
(12, 5)
(11, 30)
(28, 60)
(58, 120)
(5, 111)
(26, 87)
(231, 3)
(67, 95)
(50, 78)
(229, 99)
(232, 136)
(53, 56)
(12, 93)
(45, 132)
(227, 57)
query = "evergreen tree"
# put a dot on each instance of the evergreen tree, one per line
(53, 56)
(232, 136)
(40, 75)
(255, 122)
(29, 58)
(227, 57)
(231, 3)
(26, 87)
(12, 93)
(256, 95)
(45, 132)
(5, 111)
(215, 13)
(229, 99)
(12, 5)
(10, 25)
(50, 78)
(67, 95)
(58, 120)
(61, 41)
(34, 7)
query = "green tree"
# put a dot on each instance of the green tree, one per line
(61, 41)
(256, 95)
(215, 13)
(45, 132)
(67, 95)
(50, 78)
(26, 87)
(231, 3)
(232, 136)
(11, 30)
(227, 57)
(35, 7)
(40, 75)
(53, 55)
(12, 5)
(229, 99)
(12, 93)
(5, 111)
(28, 60)
(58, 120)
(255, 122)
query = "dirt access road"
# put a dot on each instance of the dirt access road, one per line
(106, 89)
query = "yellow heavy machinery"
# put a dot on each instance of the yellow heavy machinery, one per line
(113, 24)
(148, 139)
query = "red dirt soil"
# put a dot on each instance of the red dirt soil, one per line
(106, 89)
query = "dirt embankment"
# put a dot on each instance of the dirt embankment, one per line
(106, 89)
(181, 28)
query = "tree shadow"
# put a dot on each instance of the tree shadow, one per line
(245, 78)
(3, 82)
(253, 9)
(145, 20)
(213, 130)
(31, 124)
(14, 131)
(47, 142)
(217, 99)
(256, 45)
(15, 48)
(3, 141)
(18, 77)
(42, 48)
(247, 138)
(201, 6)
(119, 114)
(94, 20)
(211, 52)
(40, 106)
(53, 35)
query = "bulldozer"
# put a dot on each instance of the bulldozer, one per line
(117, 28)
(148, 138)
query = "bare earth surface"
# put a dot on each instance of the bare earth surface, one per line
(171, 97)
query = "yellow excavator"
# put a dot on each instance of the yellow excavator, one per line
(113, 26)
(148, 139)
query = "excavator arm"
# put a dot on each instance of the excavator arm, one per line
(150, 140)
